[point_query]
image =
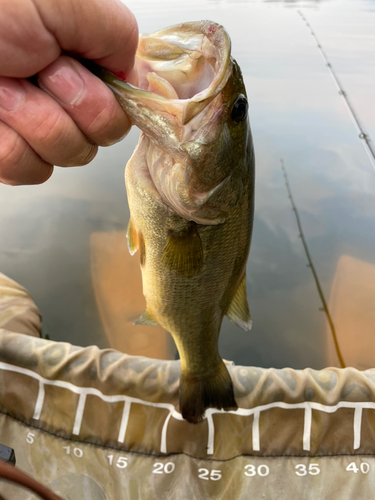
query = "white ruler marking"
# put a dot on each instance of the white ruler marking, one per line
(255, 431)
(307, 428)
(211, 431)
(39, 401)
(79, 414)
(163, 445)
(124, 422)
(308, 406)
(88, 390)
(357, 424)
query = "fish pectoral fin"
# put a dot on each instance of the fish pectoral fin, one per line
(238, 311)
(146, 319)
(131, 235)
(183, 251)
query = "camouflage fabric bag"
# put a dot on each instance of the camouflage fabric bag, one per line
(99, 424)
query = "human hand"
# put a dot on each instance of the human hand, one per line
(63, 121)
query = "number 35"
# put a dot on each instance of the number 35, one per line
(313, 470)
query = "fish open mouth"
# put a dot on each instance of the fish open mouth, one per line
(180, 69)
(188, 62)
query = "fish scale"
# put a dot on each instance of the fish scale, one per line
(190, 186)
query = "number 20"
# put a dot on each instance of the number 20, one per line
(160, 468)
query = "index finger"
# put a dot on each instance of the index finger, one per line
(102, 30)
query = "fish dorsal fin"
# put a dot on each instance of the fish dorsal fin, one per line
(146, 319)
(131, 235)
(183, 252)
(238, 311)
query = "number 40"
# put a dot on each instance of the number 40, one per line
(364, 467)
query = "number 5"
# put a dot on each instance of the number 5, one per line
(215, 475)
(30, 438)
(314, 469)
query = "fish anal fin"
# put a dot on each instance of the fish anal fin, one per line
(238, 311)
(183, 251)
(146, 319)
(131, 235)
(197, 393)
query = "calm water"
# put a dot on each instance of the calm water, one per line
(296, 114)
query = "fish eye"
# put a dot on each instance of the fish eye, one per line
(240, 108)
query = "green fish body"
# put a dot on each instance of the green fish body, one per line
(190, 186)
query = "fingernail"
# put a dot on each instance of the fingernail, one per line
(63, 81)
(11, 93)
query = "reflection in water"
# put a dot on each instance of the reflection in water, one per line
(294, 2)
(47, 232)
(352, 305)
(117, 283)
(360, 130)
(312, 267)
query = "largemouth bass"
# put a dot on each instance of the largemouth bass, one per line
(190, 186)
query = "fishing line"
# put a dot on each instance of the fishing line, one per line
(311, 266)
(366, 141)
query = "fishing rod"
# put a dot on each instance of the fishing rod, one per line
(311, 266)
(353, 115)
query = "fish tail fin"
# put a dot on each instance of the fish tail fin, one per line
(197, 393)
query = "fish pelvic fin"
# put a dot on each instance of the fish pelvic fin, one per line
(197, 393)
(183, 251)
(146, 319)
(131, 236)
(238, 311)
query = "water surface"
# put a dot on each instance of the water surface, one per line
(296, 114)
